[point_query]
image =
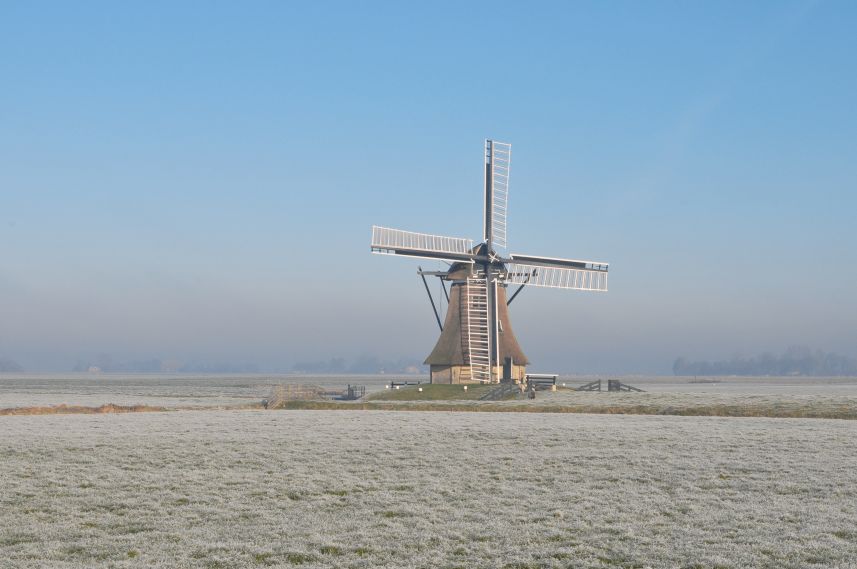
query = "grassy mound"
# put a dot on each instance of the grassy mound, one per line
(432, 392)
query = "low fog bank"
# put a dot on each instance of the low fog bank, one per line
(797, 360)
(361, 365)
(106, 363)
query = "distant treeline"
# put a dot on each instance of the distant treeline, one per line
(9, 365)
(336, 365)
(363, 364)
(106, 363)
(795, 361)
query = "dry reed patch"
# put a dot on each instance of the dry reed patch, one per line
(63, 409)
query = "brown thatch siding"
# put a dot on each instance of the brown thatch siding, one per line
(448, 350)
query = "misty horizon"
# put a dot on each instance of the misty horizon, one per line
(796, 360)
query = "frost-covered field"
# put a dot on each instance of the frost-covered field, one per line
(754, 402)
(735, 403)
(155, 389)
(405, 489)
(187, 390)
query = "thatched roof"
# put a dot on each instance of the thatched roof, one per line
(448, 350)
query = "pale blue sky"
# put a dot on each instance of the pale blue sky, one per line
(197, 180)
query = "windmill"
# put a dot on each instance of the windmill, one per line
(477, 344)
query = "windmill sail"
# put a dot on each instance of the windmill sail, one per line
(498, 159)
(557, 273)
(388, 241)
